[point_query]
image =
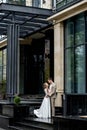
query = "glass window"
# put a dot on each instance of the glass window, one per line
(36, 3)
(2, 72)
(75, 70)
(69, 33)
(47, 59)
(60, 3)
(4, 64)
(0, 66)
(18, 2)
(79, 30)
(69, 70)
(80, 69)
(0, 58)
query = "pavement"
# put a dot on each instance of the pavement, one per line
(2, 129)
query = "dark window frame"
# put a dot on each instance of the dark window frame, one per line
(74, 47)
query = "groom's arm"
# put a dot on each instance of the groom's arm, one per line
(52, 90)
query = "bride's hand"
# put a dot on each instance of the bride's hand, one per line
(46, 96)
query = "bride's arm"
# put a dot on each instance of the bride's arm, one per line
(46, 92)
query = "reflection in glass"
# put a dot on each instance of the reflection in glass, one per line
(4, 64)
(0, 74)
(61, 3)
(17, 2)
(0, 66)
(36, 3)
(69, 71)
(79, 30)
(47, 59)
(80, 69)
(75, 70)
(3, 73)
(69, 33)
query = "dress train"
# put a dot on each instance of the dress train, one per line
(45, 110)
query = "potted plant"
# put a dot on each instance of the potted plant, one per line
(17, 99)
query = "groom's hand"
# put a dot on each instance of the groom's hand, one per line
(47, 96)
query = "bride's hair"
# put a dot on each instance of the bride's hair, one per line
(45, 85)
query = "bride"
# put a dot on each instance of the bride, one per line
(45, 110)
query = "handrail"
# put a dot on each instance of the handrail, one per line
(63, 4)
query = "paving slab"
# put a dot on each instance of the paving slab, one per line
(2, 129)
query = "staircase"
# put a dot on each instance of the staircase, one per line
(33, 101)
(32, 123)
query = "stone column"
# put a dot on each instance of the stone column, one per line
(58, 62)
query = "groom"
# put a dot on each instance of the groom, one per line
(52, 94)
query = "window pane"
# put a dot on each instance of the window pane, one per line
(0, 74)
(69, 71)
(0, 66)
(60, 3)
(0, 58)
(4, 57)
(80, 69)
(4, 64)
(69, 34)
(4, 73)
(36, 3)
(18, 2)
(47, 59)
(79, 30)
(75, 70)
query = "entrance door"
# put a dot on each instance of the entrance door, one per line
(36, 64)
(32, 68)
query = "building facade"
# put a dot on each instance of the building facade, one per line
(35, 54)
(58, 51)
(70, 54)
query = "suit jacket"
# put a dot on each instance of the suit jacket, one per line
(52, 90)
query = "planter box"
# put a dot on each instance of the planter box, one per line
(15, 111)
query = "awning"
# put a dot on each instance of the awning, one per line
(30, 19)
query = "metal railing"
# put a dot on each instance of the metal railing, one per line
(63, 4)
(57, 5)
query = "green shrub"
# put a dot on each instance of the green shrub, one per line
(17, 100)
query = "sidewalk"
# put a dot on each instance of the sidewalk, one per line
(2, 129)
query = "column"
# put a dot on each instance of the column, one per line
(58, 62)
(12, 60)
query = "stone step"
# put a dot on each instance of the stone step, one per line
(14, 128)
(45, 124)
(32, 103)
(33, 124)
(27, 126)
(31, 100)
(48, 121)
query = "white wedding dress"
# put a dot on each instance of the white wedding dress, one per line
(45, 109)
